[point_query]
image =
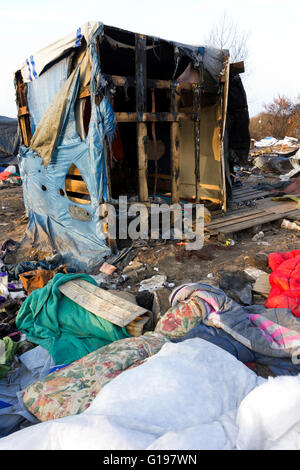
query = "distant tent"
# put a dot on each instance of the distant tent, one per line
(9, 141)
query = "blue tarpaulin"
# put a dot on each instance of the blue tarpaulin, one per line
(55, 146)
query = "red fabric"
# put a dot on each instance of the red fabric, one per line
(285, 281)
(4, 175)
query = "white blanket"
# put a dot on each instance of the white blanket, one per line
(184, 397)
(189, 396)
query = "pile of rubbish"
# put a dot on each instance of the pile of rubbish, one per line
(80, 356)
(9, 175)
(276, 146)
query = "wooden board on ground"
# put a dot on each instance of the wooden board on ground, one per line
(266, 211)
(98, 301)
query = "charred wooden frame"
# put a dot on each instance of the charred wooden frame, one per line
(142, 84)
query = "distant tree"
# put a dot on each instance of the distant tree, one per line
(279, 113)
(226, 35)
(280, 118)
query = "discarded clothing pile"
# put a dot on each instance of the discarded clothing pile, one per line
(103, 377)
(11, 296)
(64, 328)
(252, 333)
(29, 364)
(11, 170)
(285, 281)
(8, 247)
(14, 270)
(151, 407)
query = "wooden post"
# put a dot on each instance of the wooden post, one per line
(197, 108)
(197, 112)
(141, 102)
(23, 114)
(175, 150)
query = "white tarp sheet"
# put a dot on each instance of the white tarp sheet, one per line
(35, 64)
(213, 59)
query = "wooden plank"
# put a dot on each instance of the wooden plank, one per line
(245, 192)
(23, 111)
(76, 186)
(222, 223)
(237, 67)
(142, 161)
(294, 215)
(73, 170)
(101, 302)
(137, 326)
(251, 197)
(233, 222)
(85, 93)
(78, 200)
(250, 223)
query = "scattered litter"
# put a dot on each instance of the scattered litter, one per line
(262, 285)
(290, 225)
(133, 266)
(230, 242)
(107, 268)
(258, 236)
(153, 283)
(3, 286)
(210, 275)
(254, 272)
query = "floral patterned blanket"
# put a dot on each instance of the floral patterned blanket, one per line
(71, 390)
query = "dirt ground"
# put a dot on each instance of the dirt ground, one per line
(156, 257)
(12, 213)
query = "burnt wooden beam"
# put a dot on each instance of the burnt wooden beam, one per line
(198, 90)
(23, 113)
(154, 117)
(175, 148)
(237, 67)
(197, 108)
(118, 80)
(141, 106)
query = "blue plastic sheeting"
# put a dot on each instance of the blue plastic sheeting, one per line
(41, 92)
(81, 243)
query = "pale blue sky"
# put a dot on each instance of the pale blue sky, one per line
(273, 65)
